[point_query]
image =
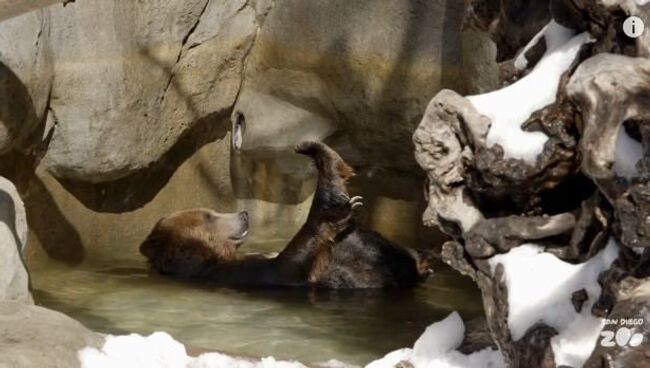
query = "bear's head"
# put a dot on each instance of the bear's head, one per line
(184, 242)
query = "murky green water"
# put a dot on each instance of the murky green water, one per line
(354, 327)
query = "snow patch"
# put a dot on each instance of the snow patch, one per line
(333, 363)
(540, 287)
(574, 344)
(159, 350)
(628, 152)
(436, 349)
(509, 107)
(555, 35)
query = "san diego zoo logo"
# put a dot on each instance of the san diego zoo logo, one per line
(624, 335)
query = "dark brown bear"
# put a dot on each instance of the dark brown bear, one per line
(331, 250)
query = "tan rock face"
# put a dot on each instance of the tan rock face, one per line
(274, 187)
(32, 336)
(64, 229)
(132, 77)
(12, 8)
(130, 105)
(362, 69)
(14, 280)
(123, 82)
(25, 76)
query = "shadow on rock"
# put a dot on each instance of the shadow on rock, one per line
(137, 189)
(134, 191)
(58, 237)
(17, 114)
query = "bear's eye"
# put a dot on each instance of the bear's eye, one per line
(210, 217)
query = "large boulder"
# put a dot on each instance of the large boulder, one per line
(14, 280)
(11, 8)
(363, 70)
(25, 76)
(136, 83)
(32, 336)
(183, 65)
(133, 77)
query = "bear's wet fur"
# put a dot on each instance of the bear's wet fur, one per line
(331, 250)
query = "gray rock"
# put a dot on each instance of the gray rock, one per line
(14, 281)
(32, 336)
(479, 62)
(12, 8)
(25, 76)
(133, 77)
(363, 71)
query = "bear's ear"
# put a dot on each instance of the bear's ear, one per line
(152, 245)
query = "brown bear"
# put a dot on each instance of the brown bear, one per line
(331, 250)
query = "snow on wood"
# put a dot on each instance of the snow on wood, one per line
(540, 287)
(509, 107)
(436, 348)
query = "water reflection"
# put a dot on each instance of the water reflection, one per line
(312, 326)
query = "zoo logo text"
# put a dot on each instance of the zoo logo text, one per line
(623, 336)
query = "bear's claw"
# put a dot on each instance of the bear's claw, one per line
(356, 202)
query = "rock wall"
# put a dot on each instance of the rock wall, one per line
(14, 280)
(362, 69)
(113, 109)
(131, 78)
(12, 8)
(66, 230)
(26, 72)
(543, 183)
(32, 336)
(169, 68)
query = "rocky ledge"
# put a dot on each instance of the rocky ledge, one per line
(30, 336)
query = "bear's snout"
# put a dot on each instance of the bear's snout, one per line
(240, 230)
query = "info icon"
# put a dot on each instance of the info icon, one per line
(633, 27)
